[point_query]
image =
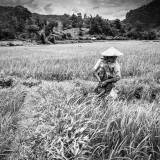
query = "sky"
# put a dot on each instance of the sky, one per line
(109, 9)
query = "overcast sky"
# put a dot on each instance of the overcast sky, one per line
(110, 9)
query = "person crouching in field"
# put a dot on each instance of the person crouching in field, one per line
(107, 72)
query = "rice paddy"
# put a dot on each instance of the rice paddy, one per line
(60, 118)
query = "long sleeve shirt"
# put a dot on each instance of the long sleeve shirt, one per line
(107, 70)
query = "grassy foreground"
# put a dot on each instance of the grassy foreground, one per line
(64, 120)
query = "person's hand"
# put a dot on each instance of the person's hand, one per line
(104, 83)
(100, 84)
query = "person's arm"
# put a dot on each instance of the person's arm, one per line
(116, 77)
(112, 80)
(95, 69)
(96, 76)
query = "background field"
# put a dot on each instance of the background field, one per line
(70, 61)
(60, 117)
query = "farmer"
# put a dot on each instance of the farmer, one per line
(107, 72)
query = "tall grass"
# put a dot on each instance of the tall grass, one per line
(76, 126)
(65, 120)
(10, 104)
(65, 62)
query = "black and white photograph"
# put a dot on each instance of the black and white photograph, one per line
(79, 79)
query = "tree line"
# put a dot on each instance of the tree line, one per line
(19, 23)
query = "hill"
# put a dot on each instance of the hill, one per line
(13, 21)
(19, 23)
(51, 17)
(148, 15)
(14, 16)
(7, 13)
(11, 13)
(21, 15)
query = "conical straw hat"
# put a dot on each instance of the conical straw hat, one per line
(111, 52)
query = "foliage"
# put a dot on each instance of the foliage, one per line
(100, 26)
(143, 35)
(19, 21)
(74, 20)
(49, 27)
(43, 120)
(60, 123)
(52, 63)
(10, 104)
(148, 15)
(33, 28)
(6, 34)
(14, 18)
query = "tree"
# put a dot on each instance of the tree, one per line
(74, 20)
(20, 27)
(100, 26)
(138, 26)
(80, 20)
(95, 25)
(67, 24)
(22, 13)
(49, 27)
(43, 31)
(1, 34)
(6, 34)
(152, 35)
(117, 24)
(33, 28)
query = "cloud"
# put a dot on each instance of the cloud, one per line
(96, 7)
(114, 3)
(48, 8)
(110, 9)
(15, 2)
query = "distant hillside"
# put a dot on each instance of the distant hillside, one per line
(15, 21)
(7, 12)
(19, 13)
(50, 17)
(10, 16)
(148, 15)
(19, 23)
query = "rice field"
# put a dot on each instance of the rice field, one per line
(70, 61)
(61, 118)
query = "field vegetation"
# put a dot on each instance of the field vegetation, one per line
(66, 62)
(18, 23)
(60, 118)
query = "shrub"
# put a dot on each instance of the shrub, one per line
(152, 35)
(145, 35)
(10, 105)
(7, 35)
